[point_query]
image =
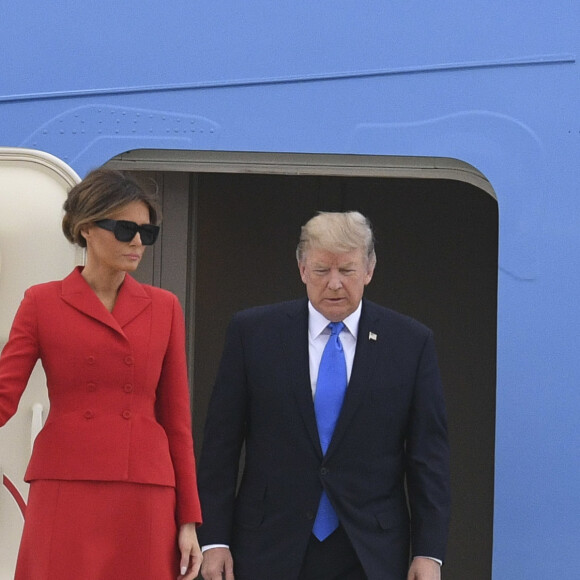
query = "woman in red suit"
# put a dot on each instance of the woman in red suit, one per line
(113, 491)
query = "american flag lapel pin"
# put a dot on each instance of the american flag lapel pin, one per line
(372, 336)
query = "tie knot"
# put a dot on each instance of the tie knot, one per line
(336, 328)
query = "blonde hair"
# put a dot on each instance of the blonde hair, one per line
(338, 232)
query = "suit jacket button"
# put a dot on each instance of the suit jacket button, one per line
(129, 360)
(89, 415)
(323, 471)
(126, 414)
(91, 360)
(309, 515)
(128, 388)
(91, 387)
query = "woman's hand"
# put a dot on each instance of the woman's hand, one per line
(191, 557)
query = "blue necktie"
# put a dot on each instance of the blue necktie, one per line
(330, 389)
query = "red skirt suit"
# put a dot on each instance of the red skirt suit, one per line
(112, 472)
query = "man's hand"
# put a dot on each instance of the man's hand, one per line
(217, 564)
(424, 569)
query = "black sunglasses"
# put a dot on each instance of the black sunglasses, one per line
(125, 231)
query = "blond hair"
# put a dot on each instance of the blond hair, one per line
(338, 232)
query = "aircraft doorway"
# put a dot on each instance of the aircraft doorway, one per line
(231, 224)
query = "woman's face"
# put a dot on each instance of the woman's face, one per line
(105, 251)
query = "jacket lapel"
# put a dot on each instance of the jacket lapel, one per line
(295, 345)
(367, 350)
(132, 300)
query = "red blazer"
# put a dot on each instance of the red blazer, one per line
(117, 384)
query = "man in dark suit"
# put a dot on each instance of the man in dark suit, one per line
(362, 495)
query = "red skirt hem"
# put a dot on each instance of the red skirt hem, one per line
(98, 530)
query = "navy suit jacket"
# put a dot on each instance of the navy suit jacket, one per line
(386, 470)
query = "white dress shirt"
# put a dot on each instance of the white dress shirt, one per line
(318, 335)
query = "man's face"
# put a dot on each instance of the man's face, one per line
(335, 282)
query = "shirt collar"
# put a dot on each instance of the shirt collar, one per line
(318, 323)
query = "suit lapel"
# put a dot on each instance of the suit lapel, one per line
(295, 346)
(367, 349)
(294, 340)
(132, 300)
